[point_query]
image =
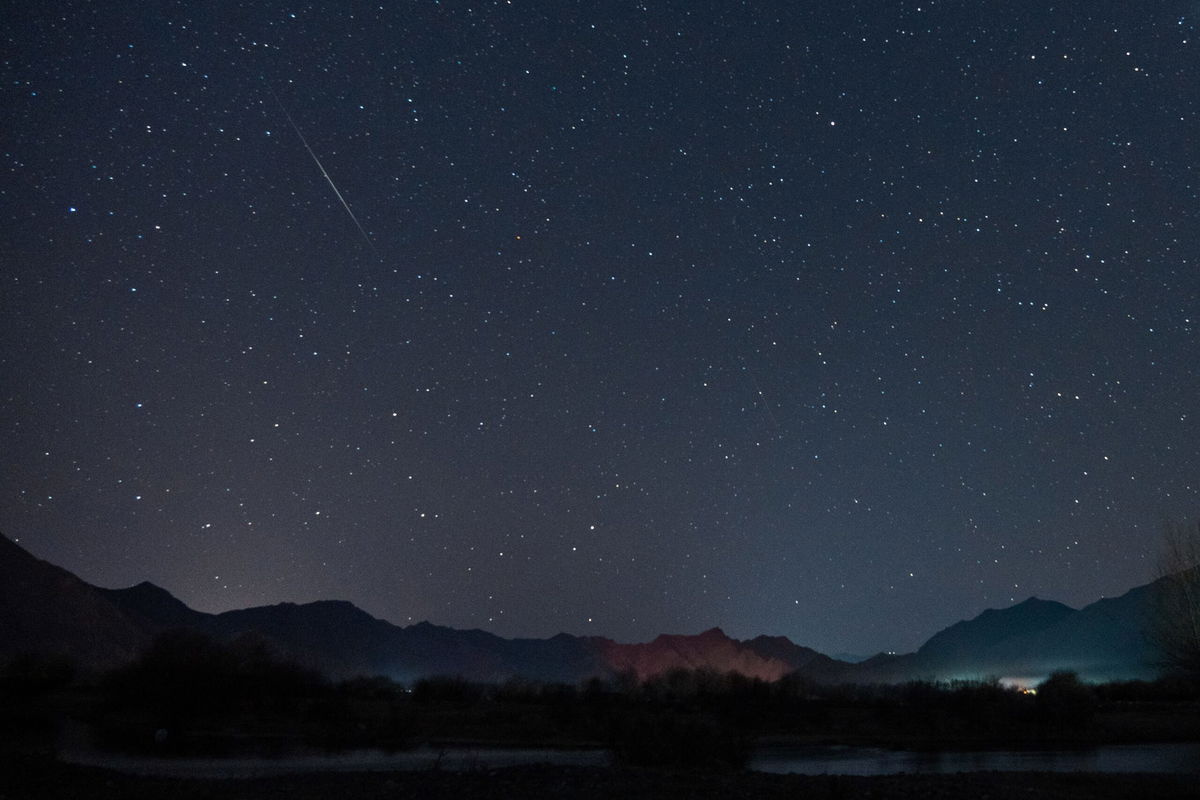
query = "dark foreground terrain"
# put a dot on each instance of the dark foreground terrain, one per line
(685, 734)
(43, 779)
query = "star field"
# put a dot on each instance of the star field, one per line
(835, 321)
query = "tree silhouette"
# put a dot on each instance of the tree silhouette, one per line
(1176, 624)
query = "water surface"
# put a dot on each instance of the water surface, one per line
(425, 758)
(807, 760)
(835, 760)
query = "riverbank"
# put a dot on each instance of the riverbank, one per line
(1167, 758)
(29, 778)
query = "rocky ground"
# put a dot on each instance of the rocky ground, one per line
(43, 779)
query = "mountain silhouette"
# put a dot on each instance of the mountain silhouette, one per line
(154, 608)
(1102, 641)
(44, 608)
(963, 641)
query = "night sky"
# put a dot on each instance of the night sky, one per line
(839, 321)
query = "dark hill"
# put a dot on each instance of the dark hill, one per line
(768, 659)
(332, 635)
(154, 608)
(962, 641)
(45, 608)
(1103, 641)
(1028, 641)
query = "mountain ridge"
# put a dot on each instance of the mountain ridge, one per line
(44, 607)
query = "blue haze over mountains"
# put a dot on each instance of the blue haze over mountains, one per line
(46, 608)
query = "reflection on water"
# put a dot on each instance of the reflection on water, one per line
(458, 759)
(809, 760)
(1173, 758)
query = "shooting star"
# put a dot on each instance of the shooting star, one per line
(324, 173)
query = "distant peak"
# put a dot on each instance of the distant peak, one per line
(426, 626)
(339, 607)
(762, 637)
(9, 543)
(334, 604)
(146, 589)
(1034, 601)
(1034, 604)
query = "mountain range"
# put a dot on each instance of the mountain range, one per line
(44, 608)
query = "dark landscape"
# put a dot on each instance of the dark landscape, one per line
(134, 672)
(52, 781)
(51, 609)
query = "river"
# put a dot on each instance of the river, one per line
(834, 760)
(810, 760)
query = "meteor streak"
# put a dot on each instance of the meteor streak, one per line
(321, 167)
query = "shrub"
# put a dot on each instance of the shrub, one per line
(1062, 699)
(184, 675)
(447, 690)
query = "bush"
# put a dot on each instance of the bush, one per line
(458, 691)
(185, 675)
(1062, 699)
